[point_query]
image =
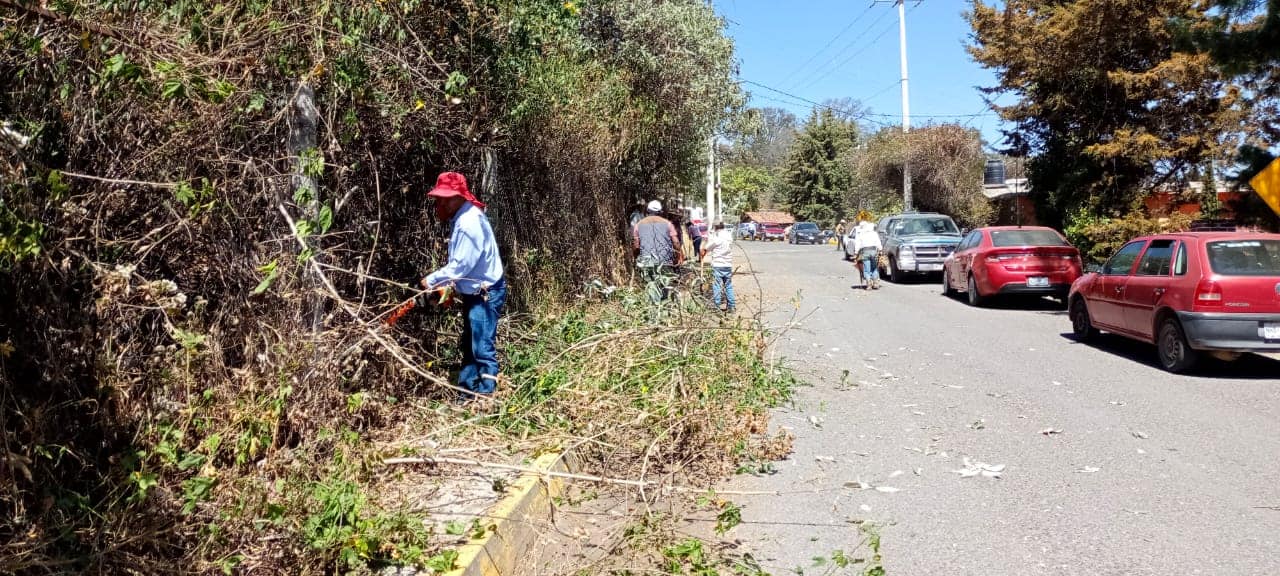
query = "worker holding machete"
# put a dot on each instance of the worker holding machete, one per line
(475, 271)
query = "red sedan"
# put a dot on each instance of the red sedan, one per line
(1189, 293)
(1011, 260)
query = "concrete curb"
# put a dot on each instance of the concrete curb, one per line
(514, 519)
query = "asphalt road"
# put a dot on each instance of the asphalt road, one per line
(1145, 472)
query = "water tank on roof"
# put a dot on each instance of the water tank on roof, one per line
(993, 174)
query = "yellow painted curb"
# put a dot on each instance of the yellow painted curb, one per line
(515, 520)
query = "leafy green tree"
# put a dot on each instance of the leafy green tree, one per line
(818, 173)
(1106, 102)
(746, 187)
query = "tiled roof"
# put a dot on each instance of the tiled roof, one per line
(770, 217)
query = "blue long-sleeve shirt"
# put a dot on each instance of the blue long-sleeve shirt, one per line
(474, 263)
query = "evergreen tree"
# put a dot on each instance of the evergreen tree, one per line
(1107, 102)
(818, 173)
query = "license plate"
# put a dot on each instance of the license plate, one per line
(1271, 331)
(930, 267)
(1038, 282)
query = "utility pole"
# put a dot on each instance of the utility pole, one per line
(711, 180)
(719, 198)
(906, 104)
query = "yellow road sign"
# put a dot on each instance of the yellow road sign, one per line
(1267, 185)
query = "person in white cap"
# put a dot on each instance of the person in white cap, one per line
(657, 250)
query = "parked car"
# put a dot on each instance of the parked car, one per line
(916, 243)
(746, 230)
(804, 232)
(1011, 260)
(1189, 294)
(772, 232)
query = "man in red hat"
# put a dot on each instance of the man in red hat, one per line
(475, 271)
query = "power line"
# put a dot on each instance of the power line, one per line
(881, 92)
(855, 20)
(806, 80)
(859, 114)
(869, 45)
(849, 113)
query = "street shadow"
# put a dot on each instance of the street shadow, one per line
(1040, 305)
(1248, 367)
(914, 280)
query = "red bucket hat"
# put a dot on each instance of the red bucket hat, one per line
(454, 184)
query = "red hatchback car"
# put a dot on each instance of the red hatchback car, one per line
(1011, 260)
(1188, 293)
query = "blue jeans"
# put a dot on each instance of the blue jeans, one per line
(871, 272)
(722, 286)
(870, 265)
(479, 334)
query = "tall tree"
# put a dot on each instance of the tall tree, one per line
(818, 173)
(762, 137)
(1106, 102)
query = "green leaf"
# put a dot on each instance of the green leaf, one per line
(272, 272)
(257, 102)
(444, 561)
(195, 491)
(455, 528)
(172, 88)
(325, 219)
(142, 481)
(192, 460)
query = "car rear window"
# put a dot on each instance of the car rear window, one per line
(915, 226)
(806, 226)
(1004, 238)
(1245, 257)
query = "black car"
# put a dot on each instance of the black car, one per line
(806, 233)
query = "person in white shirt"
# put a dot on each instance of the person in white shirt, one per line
(866, 244)
(719, 245)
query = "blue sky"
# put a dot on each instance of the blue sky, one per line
(781, 44)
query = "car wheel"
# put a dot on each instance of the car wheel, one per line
(1081, 325)
(895, 275)
(946, 283)
(975, 297)
(1175, 354)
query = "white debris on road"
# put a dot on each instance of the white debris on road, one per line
(975, 468)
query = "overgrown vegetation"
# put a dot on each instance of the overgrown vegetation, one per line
(946, 171)
(1099, 237)
(207, 209)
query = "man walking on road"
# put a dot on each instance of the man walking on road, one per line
(866, 244)
(475, 270)
(657, 248)
(720, 246)
(695, 236)
(841, 228)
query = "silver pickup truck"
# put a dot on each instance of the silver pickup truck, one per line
(917, 243)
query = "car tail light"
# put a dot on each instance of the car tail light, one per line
(1208, 293)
